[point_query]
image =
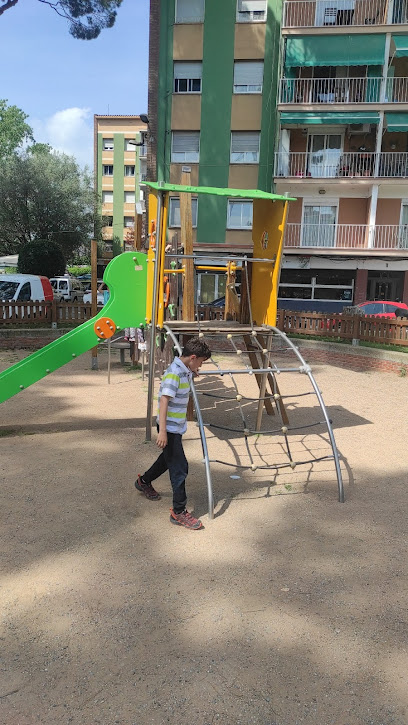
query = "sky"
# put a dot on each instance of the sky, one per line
(61, 82)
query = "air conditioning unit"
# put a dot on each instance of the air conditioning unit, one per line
(359, 128)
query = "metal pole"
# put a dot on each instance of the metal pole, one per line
(152, 346)
(109, 359)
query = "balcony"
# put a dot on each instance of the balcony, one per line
(343, 13)
(346, 236)
(337, 165)
(326, 91)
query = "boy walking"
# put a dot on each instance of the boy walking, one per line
(171, 425)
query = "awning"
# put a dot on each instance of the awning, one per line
(216, 191)
(324, 50)
(401, 45)
(331, 118)
(396, 122)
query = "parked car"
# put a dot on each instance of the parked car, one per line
(25, 287)
(383, 308)
(100, 301)
(67, 289)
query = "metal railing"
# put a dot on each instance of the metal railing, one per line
(346, 236)
(343, 90)
(327, 164)
(319, 13)
(339, 236)
(393, 164)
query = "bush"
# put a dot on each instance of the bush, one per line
(77, 271)
(41, 257)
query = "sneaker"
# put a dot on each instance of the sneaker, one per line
(147, 489)
(185, 519)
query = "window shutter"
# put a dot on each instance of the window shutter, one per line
(242, 142)
(247, 6)
(188, 141)
(188, 70)
(248, 74)
(107, 197)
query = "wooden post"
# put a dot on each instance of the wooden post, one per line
(94, 306)
(186, 221)
(231, 298)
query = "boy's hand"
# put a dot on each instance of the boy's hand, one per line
(162, 439)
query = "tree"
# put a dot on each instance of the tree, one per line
(39, 257)
(86, 18)
(46, 196)
(13, 129)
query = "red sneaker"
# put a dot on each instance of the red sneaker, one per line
(147, 489)
(185, 519)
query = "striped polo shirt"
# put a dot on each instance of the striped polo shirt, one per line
(176, 383)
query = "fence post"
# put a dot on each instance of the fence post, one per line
(356, 330)
(54, 314)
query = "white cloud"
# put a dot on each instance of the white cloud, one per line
(69, 131)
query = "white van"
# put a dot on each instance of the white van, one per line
(25, 287)
(67, 289)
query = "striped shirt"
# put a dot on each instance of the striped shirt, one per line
(176, 384)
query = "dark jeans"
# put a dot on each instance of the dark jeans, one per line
(173, 459)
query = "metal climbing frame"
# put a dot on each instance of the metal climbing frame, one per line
(303, 368)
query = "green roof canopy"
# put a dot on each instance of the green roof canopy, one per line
(323, 50)
(348, 117)
(401, 45)
(239, 193)
(397, 122)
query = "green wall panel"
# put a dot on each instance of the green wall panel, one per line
(118, 184)
(167, 15)
(99, 167)
(269, 124)
(216, 101)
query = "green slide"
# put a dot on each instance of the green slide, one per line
(126, 277)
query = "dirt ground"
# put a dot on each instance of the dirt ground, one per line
(288, 608)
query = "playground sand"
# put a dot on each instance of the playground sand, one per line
(288, 608)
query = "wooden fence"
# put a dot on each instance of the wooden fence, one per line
(28, 313)
(384, 330)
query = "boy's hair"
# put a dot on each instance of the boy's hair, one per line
(196, 347)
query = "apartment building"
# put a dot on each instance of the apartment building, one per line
(213, 79)
(120, 157)
(308, 98)
(343, 151)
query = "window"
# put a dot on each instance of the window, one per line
(128, 221)
(174, 216)
(319, 225)
(239, 214)
(251, 11)
(244, 147)
(143, 170)
(129, 170)
(25, 293)
(108, 221)
(306, 284)
(189, 11)
(185, 146)
(107, 197)
(248, 77)
(187, 77)
(108, 144)
(130, 144)
(129, 197)
(108, 170)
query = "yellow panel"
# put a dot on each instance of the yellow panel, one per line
(151, 254)
(188, 42)
(161, 258)
(186, 112)
(267, 234)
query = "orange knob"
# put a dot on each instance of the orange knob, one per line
(104, 328)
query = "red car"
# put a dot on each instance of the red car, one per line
(383, 308)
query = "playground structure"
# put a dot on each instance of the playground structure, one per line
(136, 282)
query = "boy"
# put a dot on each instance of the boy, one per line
(171, 424)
